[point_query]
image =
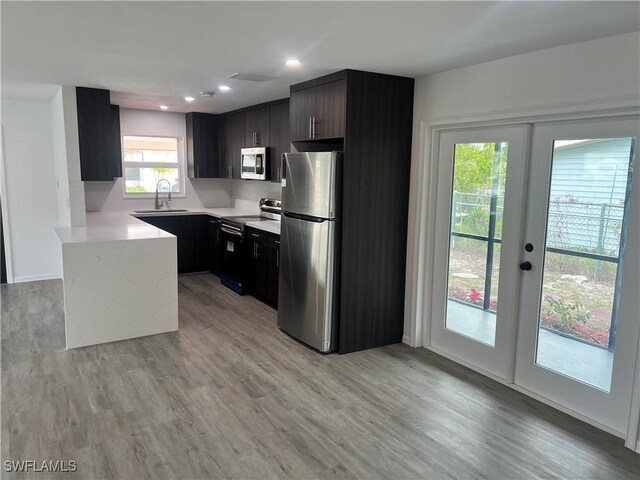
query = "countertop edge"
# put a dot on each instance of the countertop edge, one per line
(126, 225)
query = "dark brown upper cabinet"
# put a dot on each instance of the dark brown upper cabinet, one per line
(203, 145)
(264, 125)
(116, 140)
(318, 110)
(232, 133)
(280, 138)
(256, 127)
(100, 152)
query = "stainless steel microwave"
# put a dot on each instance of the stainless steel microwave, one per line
(254, 163)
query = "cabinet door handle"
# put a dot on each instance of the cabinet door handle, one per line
(310, 127)
(278, 258)
(313, 127)
(255, 235)
(197, 171)
(230, 171)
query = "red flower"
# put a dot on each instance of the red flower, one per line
(475, 295)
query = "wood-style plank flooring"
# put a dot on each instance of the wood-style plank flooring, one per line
(231, 396)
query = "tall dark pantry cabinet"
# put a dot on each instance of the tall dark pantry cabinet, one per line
(370, 117)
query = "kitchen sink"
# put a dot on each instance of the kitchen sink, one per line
(171, 210)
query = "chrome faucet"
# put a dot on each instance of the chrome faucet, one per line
(159, 202)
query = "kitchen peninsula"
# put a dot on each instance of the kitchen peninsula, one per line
(119, 279)
(120, 274)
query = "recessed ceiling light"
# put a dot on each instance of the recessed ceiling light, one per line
(292, 62)
(224, 88)
(164, 107)
(189, 99)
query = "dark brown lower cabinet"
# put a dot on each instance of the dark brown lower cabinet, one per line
(192, 232)
(214, 246)
(263, 265)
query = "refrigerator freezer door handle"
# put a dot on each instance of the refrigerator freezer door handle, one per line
(307, 218)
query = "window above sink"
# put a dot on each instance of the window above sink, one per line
(148, 159)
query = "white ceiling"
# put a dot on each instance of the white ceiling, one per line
(152, 53)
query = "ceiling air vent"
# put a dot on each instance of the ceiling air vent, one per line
(207, 94)
(250, 77)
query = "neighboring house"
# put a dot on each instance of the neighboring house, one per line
(591, 171)
(588, 185)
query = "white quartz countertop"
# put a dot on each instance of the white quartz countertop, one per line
(123, 225)
(271, 226)
(108, 227)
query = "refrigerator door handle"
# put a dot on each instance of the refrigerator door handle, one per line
(283, 163)
(306, 218)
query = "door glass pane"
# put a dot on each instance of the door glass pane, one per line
(477, 205)
(590, 184)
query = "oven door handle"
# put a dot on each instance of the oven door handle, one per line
(235, 233)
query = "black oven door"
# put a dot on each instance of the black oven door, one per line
(232, 267)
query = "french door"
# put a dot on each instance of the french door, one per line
(478, 224)
(579, 317)
(536, 260)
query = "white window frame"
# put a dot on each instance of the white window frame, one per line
(181, 168)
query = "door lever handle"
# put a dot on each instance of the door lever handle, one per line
(526, 266)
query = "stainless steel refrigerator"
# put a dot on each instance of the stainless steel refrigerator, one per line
(309, 250)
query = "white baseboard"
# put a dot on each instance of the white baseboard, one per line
(35, 278)
(406, 339)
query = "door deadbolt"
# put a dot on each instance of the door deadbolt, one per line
(526, 266)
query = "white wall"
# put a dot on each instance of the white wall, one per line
(599, 75)
(105, 196)
(31, 197)
(66, 153)
(60, 160)
(578, 76)
(247, 193)
(72, 141)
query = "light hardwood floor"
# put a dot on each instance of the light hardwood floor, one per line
(230, 396)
